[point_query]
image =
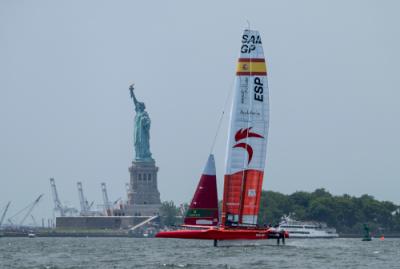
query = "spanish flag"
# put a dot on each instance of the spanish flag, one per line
(251, 67)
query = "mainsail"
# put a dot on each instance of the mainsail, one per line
(203, 209)
(247, 141)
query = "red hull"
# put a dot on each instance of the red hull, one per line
(223, 234)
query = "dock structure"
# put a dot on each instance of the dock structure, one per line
(102, 222)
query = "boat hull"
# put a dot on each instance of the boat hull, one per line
(224, 234)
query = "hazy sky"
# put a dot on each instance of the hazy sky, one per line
(65, 110)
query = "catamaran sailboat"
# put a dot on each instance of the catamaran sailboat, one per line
(245, 161)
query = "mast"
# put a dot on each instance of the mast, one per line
(247, 137)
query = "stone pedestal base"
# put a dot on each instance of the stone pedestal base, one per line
(143, 196)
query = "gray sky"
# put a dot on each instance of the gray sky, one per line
(65, 111)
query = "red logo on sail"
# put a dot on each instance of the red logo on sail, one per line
(243, 134)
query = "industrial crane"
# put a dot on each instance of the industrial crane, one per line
(129, 190)
(34, 221)
(82, 201)
(85, 206)
(106, 202)
(58, 206)
(3, 216)
(29, 209)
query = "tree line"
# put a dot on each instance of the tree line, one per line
(344, 212)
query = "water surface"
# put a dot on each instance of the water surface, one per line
(99, 253)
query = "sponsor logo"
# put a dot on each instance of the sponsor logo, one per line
(251, 193)
(252, 113)
(204, 221)
(243, 134)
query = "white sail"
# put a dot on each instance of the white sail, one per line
(247, 138)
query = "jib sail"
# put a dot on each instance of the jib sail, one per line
(203, 209)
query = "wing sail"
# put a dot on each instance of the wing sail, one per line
(247, 137)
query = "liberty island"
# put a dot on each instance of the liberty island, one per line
(143, 198)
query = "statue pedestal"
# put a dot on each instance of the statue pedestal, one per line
(143, 196)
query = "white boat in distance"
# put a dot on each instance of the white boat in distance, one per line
(306, 229)
(31, 235)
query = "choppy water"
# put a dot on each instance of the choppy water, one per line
(99, 253)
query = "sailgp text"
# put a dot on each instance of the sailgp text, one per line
(249, 43)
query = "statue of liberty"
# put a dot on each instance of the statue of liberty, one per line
(141, 132)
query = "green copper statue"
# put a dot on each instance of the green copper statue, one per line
(141, 132)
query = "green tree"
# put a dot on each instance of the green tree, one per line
(273, 206)
(168, 213)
